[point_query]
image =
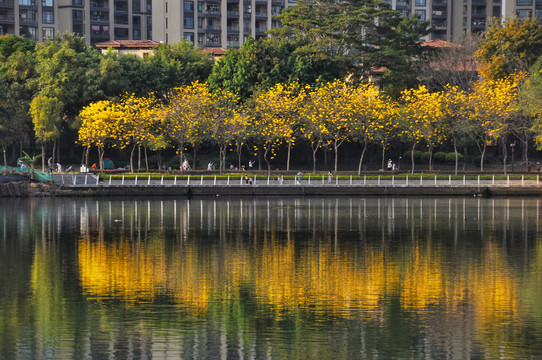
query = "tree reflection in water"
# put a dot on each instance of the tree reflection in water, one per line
(293, 277)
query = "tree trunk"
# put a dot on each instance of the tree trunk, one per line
(101, 157)
(412, 158)
(54, 152)
(383, 156)
(483, 153)
(267, 161)
(194, 159)
(239, 150)
(146, 158)
(87, 151)
(336, 149)
(504, 155)
(5, 159)
(288, 160)
(42, 156)
(430, 158)
(362, 156)
(456, 157)
(131, 158)
(314, 150)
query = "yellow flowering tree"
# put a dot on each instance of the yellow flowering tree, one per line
(329, 117)
(422, 116)
(491, 103)
(274, 118)
(455, 112)
(222, 121)
(136, 126)
(99, 128)
(181, 118)
(372, 112)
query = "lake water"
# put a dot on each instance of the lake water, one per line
(271, 278)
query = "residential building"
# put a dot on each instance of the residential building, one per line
(95, 20)
(215, 23)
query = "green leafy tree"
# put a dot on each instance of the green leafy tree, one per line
(68, 70)
(261, 64)
(355, 35)
(175, 65)
(45, 112)
(17, 87)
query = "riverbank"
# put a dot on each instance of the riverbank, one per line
(421, 185)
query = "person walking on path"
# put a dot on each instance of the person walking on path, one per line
(299, 174)
(329, 176)
(538, 166)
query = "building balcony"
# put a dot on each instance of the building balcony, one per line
(234, 44)
(215, 43)
(261, 30)
(94, 6)
(439, 4)
(7, 19)
(440, 24)
(233, 29)
(261, 15)
(233, 14)
(6, 3)
(213, 28)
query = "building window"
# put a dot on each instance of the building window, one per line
(200, 23)
(420, 2)
(48, 33)
(77, 15)
(149, 27)
(522, 14)
(78, 29)
(28, 31)
(77, 2)
(27, 2)
(188, 23)
(188, 36)
(421, 13)
(524, 2)
(49, 3)
(188, 6)
(136, 5)
(48, 17)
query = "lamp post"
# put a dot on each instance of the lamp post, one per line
(513, 146)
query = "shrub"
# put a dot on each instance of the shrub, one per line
(425, 156)
(450, 157)
(439, 156)
(417, 155)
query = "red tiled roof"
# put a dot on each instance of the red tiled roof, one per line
(440, 44)
(128, 44)
(215, 50)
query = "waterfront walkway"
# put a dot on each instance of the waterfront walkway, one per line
(267, 185)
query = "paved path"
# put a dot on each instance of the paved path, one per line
(91, 180)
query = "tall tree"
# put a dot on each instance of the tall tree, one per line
(261, 64)
(17, 88)
(356, 35)
(68, 70)
(174, 65)
(45, 113)
(509, 46)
